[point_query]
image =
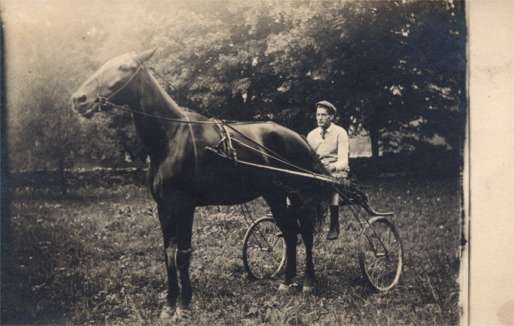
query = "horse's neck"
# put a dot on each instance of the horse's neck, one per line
(154, 99)
(156, 106)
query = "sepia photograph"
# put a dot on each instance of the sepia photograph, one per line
(232, 162)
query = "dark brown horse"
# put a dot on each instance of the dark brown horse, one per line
(184, 174)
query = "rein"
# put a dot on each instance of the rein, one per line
(105, 101)
(271, 154)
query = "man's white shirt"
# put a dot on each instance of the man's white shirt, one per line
(333, 148)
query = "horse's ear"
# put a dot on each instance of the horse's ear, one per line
(145, 55)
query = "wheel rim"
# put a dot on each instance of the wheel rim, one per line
(264, 249)
(381, 254)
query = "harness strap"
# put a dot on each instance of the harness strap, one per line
(226, 138)
(193, 140)
(225, 144)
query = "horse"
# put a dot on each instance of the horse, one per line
(184, 173)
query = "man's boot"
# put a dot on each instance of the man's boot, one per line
(333, 233)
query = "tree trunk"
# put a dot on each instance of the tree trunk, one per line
(374, 135)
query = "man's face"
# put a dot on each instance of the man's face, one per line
(324, 117)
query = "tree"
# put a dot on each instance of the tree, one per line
(393, 68)
(45, 65)
(383, 63)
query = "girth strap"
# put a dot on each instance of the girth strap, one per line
(225, 144)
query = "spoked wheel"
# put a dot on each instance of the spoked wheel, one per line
(381, 255)
(264, 249)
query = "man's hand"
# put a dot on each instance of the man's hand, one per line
(331, 167)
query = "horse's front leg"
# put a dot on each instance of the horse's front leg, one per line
(183, 260)
(175, 217)
(169, 231)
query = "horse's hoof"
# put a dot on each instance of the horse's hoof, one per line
(308, 285)
(286, 288)
(307, 289)
(283, 288)
(167, 315)
(181, 314)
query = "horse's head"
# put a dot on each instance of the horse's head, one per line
(108, 82)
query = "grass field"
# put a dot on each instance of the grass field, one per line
(95, 256)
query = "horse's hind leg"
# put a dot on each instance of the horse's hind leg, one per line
(289, 227)
(307, 229)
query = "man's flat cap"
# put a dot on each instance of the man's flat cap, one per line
(328, 105)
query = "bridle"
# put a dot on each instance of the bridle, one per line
(103, 101)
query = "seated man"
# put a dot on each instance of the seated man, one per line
(331, 143)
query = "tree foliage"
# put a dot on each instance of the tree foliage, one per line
(45, 66)
(384, 64)
(394, 69)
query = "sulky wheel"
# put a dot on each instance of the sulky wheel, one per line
(381, 255)
(264, 249)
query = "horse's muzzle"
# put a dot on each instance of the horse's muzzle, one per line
(87, 111)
